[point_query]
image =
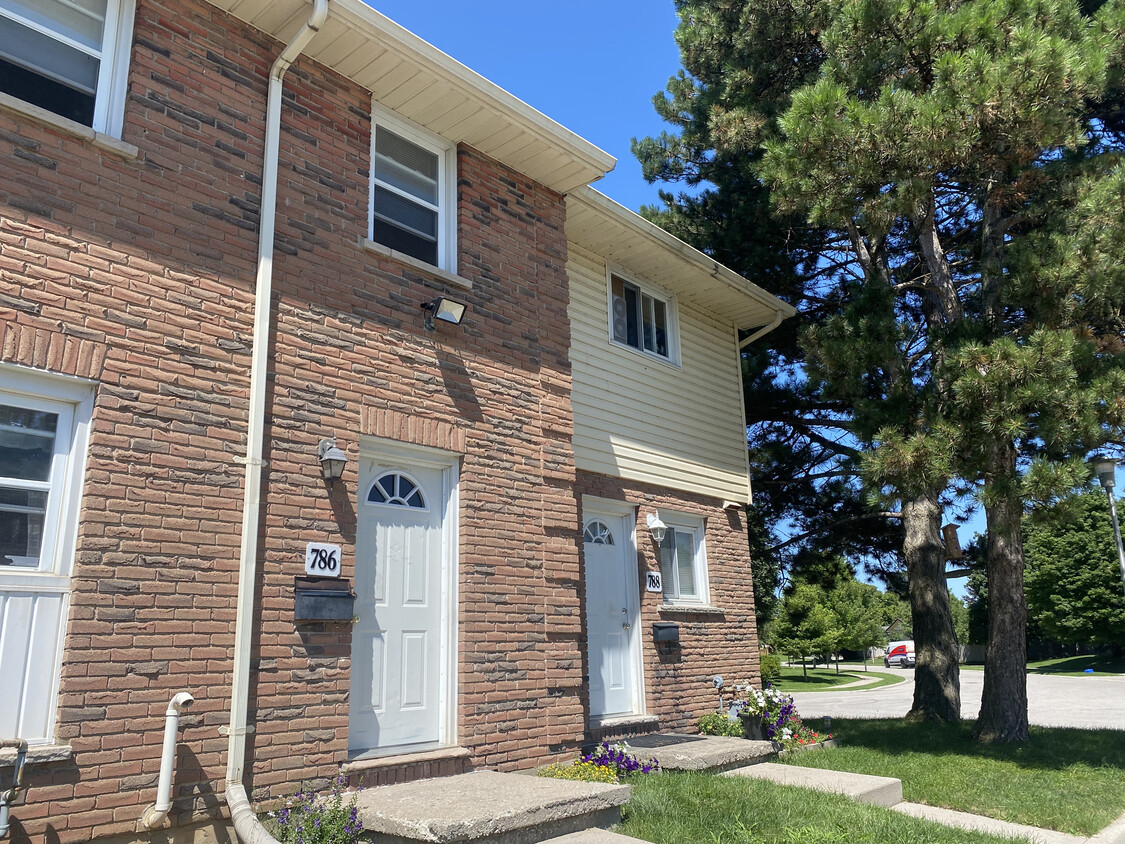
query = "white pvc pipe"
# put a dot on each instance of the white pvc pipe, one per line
(245, 821)
(158, 811)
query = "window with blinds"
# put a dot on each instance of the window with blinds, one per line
(60, 55)
(411, 204)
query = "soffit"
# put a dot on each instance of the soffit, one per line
(598, 224)
(424, 85)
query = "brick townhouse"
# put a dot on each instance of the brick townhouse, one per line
(243, 240)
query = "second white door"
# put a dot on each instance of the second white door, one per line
(611, 610)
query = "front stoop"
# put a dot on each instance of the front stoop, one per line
(487, 807)
(863, 788)
(676, 752)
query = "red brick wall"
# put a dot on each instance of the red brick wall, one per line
(679, 685)
(139, 273)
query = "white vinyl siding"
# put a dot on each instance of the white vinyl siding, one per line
(636, 417)
(44, 423)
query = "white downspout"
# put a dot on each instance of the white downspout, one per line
(245, 821)
(762, 332)
(158, 811)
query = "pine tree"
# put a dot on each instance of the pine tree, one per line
(943, 122)
(922, 162)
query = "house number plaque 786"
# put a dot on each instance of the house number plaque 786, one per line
(322, 559)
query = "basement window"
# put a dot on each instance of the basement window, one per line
(69, 57)
(412, 191)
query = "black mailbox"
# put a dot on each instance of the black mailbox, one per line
(322, 599)
(666, 635)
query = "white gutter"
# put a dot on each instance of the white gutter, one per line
(158, 811)
(762, 332)
(246, 823)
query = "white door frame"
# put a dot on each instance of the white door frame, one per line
(449, 463)
(623, 516)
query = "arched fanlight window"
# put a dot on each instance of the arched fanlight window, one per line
(399, 490)
(598, 533)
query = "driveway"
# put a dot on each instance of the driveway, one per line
(1051, 701)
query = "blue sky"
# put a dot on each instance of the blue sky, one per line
(591, 66)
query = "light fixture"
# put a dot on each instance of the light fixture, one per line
(444, 309)
(1104, 468)
(332, 460)
(656, 527)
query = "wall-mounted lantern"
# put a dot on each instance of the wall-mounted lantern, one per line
(332, 460)
(656, 527)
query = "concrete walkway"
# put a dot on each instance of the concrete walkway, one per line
(979, 823)
(887, 792)
(863, 788)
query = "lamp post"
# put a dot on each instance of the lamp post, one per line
(1104, 469)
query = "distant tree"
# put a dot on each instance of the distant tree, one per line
(1074, 589)
(805, 626)
(960, 619)
(858, 610)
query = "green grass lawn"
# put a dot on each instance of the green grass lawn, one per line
(1072, 666)
(700, 808)
(1065, 779)
(826, 679)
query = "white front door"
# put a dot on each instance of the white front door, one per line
(399, 676)
(611, 614)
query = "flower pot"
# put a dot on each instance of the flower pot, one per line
(752, 727)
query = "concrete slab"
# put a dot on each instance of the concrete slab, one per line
(1112, 834)
(878, 791)
(677, 752)
(595, 836)
(1005, 829)
(487, 807)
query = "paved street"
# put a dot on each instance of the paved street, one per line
(1052, 701)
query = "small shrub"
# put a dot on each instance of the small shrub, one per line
(579, 770)
(719, 724)
(770, 666)
(306, 820)
(622, 763)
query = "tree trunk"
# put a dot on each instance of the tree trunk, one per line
(1003, 706)
(937, 676)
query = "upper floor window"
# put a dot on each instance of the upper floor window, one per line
(640, 319)
(412, 191)
(68, 56)
(683, 561)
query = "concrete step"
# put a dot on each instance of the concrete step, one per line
(878, 791)
(676, 752)
(487, 807)
(595, 836)
(1004, 829)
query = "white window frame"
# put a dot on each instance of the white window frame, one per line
(696, 526)
(651, 290)
(75, 398)
(446, 153)
(113, 62)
